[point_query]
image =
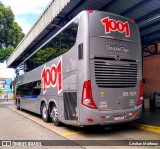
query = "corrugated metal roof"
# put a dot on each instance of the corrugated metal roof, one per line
(145, 12)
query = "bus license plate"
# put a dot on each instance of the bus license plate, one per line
(119, 117)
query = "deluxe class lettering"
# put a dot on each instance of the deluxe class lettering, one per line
(117, 48)
(112, 25)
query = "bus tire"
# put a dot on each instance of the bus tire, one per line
(18, 104)
(44, 112)
(20, 108)
(54, 115)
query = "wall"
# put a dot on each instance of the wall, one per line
(7, 86)
(151, 74)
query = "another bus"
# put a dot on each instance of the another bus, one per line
(88, 73)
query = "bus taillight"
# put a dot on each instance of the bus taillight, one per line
(18, 96)
(90, 11)
(87, 99)
(133, 21)
(140, 99)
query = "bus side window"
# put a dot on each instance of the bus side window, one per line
(55, 47)
(29, 89)
(36, 88)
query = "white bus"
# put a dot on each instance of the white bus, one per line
(88, 73)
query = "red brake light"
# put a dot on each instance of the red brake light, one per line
(87, 99)
(103, 116)
(18, 96)
(140, 99)
(90, 11)
(133, 21)
(90, 120)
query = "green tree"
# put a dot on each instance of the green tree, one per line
(2, 91)
(10, 32)
(6, 52)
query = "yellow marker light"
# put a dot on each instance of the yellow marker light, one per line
(102, 94)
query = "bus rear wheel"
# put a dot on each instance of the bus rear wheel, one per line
(18, 104)
(54, 115)
(44, 112)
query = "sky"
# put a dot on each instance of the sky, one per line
(6, 72)
(26, 11)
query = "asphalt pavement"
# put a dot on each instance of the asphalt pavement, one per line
(27, 126)
(14, 126)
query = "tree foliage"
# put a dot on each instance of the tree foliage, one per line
(2, 91)
(10, 32)
(6, 52)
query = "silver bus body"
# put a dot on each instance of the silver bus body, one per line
(97, 81)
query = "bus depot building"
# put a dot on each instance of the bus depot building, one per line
(144, 14)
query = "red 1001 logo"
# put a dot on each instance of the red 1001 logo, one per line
(52, 76)
(112, 25)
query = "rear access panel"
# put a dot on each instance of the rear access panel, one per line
(70, 105)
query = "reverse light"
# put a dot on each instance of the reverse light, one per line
(140, 99)
(87, 99)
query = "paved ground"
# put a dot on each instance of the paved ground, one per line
(151, 117)
(14, 126)
(31, 127)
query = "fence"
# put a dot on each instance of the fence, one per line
(6, 96)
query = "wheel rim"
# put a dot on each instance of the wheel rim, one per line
(54, 114)
(44, 112)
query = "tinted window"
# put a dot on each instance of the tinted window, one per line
(59, 45)
(29, 89)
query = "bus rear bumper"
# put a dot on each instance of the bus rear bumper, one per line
(96, 117)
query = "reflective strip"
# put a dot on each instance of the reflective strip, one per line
(147, 127)
(27, 96)
(70, 133)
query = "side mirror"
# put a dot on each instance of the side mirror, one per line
(17, 72)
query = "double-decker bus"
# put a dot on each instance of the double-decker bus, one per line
(88, 73)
